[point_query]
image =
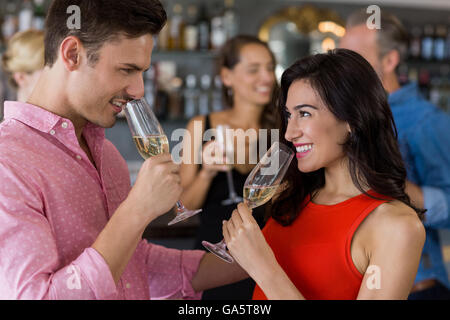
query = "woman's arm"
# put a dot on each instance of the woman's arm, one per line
(394, 253)
(214, 272)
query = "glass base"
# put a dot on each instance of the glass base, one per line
(219, 250)
(230, 201)
(183, 216)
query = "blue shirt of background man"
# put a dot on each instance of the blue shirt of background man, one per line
(424, 139)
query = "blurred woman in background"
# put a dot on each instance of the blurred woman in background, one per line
(246, 67)
(23, 61)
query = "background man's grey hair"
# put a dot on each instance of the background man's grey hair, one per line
(391, 36)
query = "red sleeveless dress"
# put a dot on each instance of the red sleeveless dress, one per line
(314, 250)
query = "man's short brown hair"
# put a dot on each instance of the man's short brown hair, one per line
(391, 36)
(101, 21)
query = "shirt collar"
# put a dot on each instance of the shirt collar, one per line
(408, 91)
(50, 123)
(31, 115)
(43, 120)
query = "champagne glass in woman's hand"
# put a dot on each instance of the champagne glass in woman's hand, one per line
(227, 146)
(260, 186)
(150, 140)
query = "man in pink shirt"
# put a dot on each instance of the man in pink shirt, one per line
(70, 224)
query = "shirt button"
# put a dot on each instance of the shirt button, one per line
(64, 125)
(128, 286)
(78, 157)
(52, 132)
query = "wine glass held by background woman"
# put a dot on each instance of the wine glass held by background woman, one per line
(343, 226)
(246, 67)
(23, 61)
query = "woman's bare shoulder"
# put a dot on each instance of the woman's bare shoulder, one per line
(200, 119)
(396, 219)
(196, 118)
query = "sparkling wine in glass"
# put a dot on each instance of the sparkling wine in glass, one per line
(260, 186)
(227, 146)
(150, 140)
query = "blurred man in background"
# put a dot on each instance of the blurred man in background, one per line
(424, 139)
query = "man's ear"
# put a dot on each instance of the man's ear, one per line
(70, 53)
(390, 61)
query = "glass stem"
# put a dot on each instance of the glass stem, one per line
(231, 190)
(222, 244)
(180, 207)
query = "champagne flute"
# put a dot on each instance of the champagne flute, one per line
(227, 145)
(150, 141)
(260, 186)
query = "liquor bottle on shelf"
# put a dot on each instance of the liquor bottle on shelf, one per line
(163, 38)
(165, 72)
(161, 104)
(190, 95)
(203, 29)
(176, 28)
(424, 82)
(218, 31)
(162, 41)
(39, 15)
(413, 75)
(217, 103)
(231, 19)
(10, 23)
(439, 43)
(415, 43)
(440, 90)
(434, 90)
(175, 98)
(191, 29)
(204, 99)
(150, 85)
(427, 42)
(445, 98)
(26, 16)
(403, 74)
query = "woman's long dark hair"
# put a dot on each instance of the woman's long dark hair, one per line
(230, 55)
(352, 91)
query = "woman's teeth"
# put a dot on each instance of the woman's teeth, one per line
(304, 148)
(118, 104)
(263, 89)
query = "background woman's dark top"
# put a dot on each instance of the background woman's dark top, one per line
(210, 228)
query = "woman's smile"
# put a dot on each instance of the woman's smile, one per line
(303, 149)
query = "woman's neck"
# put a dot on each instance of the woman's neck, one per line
(339, 185)
(246, 115)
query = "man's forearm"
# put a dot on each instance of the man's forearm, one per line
(119, 239)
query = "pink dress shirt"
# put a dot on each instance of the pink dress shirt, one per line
(53, 205)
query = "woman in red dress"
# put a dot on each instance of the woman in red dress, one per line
(342, 226)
